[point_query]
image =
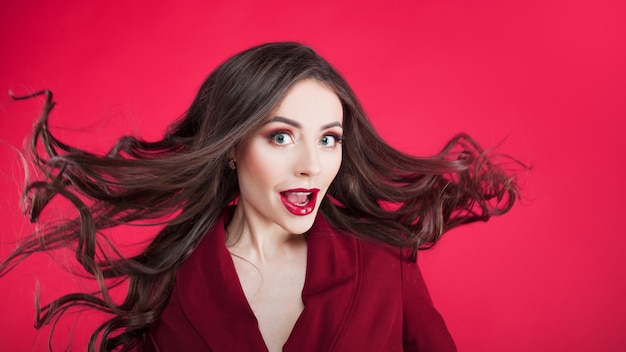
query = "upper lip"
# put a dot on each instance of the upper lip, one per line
(307, 190)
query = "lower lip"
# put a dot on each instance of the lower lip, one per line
(301, 210)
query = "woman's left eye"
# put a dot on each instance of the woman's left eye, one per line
(330, 140)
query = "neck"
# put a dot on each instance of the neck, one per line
(258, 241)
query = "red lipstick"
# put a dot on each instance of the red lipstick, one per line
(299, 201)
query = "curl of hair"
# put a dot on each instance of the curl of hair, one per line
(379, 194)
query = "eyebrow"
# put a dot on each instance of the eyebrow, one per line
(297, 124)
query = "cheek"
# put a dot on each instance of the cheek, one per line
(259, 166)
(332, 165)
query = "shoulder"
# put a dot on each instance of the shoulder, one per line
(375, 262)
(367, 249)
(387, 284)
(368, 246)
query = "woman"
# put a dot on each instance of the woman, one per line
(289, 223)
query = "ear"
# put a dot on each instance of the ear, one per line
(232, 160)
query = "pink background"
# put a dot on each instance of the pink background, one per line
(548, 78)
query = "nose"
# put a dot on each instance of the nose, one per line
(308, 161)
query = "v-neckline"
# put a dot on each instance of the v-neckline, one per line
(244, 299)
(212, 298)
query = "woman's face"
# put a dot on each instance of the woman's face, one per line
(286, 167)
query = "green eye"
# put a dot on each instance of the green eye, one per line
(330, 140)
(281, 138)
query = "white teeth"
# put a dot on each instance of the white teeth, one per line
(298, 198)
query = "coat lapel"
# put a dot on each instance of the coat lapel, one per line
(329, 292)
(212, 298)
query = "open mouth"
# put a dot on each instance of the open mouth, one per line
(297, 198)
(299, 201)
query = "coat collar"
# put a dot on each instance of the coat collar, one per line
(214, 302)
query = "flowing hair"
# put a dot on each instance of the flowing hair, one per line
(379, 193)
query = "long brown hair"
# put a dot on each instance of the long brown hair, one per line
(379, 194)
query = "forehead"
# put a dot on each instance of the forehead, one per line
(310, 99)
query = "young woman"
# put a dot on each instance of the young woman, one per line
(290, 224)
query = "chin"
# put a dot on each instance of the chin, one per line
(299, 230)
(301, 226)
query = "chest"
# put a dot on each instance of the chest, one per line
(352, 297)
(274, 294)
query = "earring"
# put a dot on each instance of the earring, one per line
(232, 164)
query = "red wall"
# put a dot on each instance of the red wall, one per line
(549, 77)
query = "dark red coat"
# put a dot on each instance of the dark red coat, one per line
(357, 296)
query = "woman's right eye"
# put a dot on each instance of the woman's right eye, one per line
(281, 138)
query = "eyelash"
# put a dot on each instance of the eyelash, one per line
(271, 137)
